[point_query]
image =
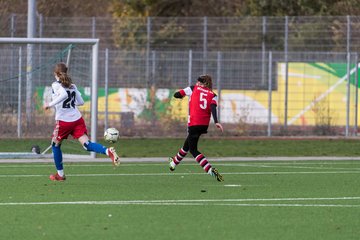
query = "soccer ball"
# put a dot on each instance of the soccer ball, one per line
(111, 135)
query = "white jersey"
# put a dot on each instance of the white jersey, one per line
(65, 101)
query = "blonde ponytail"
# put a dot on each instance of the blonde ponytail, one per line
(61, 72)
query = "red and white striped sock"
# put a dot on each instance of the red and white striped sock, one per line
(201, 159)
(179, 156)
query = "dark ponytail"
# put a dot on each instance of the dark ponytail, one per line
(206, 80)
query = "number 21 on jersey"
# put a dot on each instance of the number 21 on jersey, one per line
(70, 101)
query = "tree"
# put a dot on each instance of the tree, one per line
(55, 8)
(74, 8)
(15, 6)
(183, 8)
(302, 7)
(177, 8)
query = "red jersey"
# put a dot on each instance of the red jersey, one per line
(200, 99)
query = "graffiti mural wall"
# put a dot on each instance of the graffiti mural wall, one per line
(316, 92)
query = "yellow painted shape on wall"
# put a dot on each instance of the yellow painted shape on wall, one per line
(179, 108)
(113, 106)
(306, 84)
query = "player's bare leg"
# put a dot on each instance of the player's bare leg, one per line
(98, 148)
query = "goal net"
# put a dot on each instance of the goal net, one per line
(26, 74)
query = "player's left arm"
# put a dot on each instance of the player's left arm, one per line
(213, 107)
(79, 101)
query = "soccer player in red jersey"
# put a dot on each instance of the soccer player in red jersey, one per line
(202, 104)
(69, 121)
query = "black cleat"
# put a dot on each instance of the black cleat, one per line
(217, 175)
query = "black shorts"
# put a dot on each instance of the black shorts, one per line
(197, 130)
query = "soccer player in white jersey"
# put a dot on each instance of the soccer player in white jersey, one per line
(69, 121)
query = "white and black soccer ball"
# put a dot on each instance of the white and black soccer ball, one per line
(111, 135)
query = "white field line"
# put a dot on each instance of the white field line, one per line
(287, 205)
(322, 96)
(175, 174)
(295, 167)
(191, 160)
(232, 164)
(191, 204)
(220, 202)
(286, 163)
(284, 173)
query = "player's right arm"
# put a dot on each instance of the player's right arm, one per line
(184, 92)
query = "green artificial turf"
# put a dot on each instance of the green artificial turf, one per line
(210, 147)
(258, 200)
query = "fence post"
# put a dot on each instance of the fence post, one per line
(218, 81)
(348, 76)
(347, 95)
(263, 50)
(148, 35)
(106, 117)
(286, 71)
(190, 67)
(348, 34)
(93, 27)
(41, 26)
(270, 95)
(12, 25)
(153, 67)
(19, 131)
(205, 44)
(356, 93)
(153, 87)
(12, 34)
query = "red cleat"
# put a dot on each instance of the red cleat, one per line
(56, 177)
(113, 156)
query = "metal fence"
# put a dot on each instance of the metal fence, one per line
(274, 75)
(311, 33)
(311, 94)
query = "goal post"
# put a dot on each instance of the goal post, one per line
(94, 42)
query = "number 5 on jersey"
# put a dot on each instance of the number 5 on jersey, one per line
(203, 101)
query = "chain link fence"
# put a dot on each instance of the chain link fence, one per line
(311, 33)
(275, 76)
